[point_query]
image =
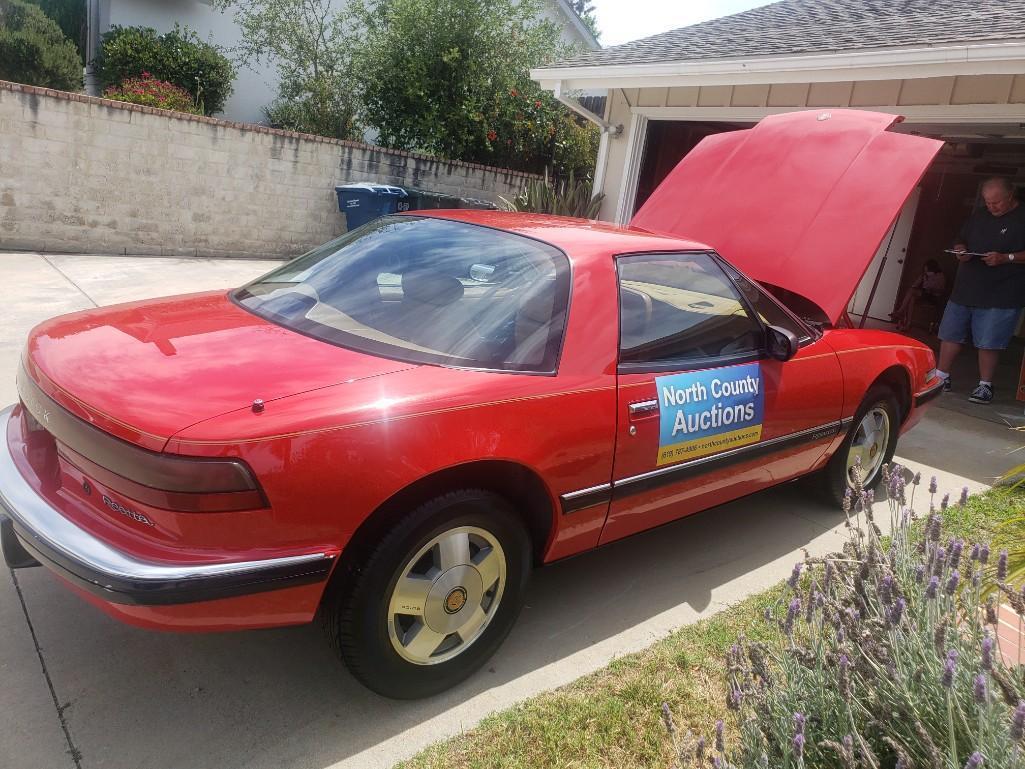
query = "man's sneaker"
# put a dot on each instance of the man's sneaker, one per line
(946, 384)
(981, 394)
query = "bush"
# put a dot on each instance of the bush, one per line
(178, 57)
(150, 92)
(316, 107)
(71, 16)
(33, 50)
(882, 656)
(567, 197)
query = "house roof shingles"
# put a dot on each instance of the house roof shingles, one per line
(794, 27)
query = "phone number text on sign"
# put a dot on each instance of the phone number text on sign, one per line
(703, 412)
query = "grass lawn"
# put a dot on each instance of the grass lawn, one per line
(612, 718)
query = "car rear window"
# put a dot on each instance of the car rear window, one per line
(427, 291)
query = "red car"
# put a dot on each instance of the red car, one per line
(394, 428)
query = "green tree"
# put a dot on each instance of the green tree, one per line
(451, 78)
(309, 43)
(178, 57)
(33, 50)
(585, 10)
(71, 17)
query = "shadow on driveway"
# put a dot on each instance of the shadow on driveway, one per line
(280, 697)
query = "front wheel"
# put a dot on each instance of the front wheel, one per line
(436, 597)
(870, 443)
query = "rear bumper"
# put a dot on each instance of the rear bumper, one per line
(115, 577)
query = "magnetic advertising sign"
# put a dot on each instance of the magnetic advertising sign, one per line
(704, 412)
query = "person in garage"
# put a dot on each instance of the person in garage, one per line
(989, 289)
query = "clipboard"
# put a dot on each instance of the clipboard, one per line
(962, 253)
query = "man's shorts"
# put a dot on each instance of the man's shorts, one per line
(991, 327)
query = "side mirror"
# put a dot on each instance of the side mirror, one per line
(780, 343)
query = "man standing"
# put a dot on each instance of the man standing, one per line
(989, 290)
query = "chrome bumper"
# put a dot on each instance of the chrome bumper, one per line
(928, 394)
(81, 558)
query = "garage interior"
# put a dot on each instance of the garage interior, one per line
(929, 223)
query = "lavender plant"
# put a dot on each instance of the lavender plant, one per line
(883, 655)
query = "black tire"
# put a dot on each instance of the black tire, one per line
(832, 480)
(356, 611)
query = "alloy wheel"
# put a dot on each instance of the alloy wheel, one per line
(868, 448)
(446, 595)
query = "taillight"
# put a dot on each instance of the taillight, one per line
(170, 482)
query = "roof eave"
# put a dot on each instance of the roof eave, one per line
(1004, 57)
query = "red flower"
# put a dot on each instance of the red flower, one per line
(513, 92)
(537, 103)
(492, 136)
(508, 141)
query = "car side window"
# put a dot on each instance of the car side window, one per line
(770, 313)
(681, 307)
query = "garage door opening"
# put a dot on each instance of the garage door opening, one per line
(928, 224)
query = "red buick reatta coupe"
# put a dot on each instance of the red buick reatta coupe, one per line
(394, 428)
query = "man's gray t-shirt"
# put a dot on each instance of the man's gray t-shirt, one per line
(978, 285)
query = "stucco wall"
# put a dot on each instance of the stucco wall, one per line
(81, 174)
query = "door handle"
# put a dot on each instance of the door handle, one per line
(644, 407)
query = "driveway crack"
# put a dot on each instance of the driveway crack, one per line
(74, 285)
(75, 753)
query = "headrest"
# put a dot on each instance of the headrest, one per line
(430, 287)
(538, 303)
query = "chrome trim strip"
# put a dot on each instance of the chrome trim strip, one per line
(827, 430)
(583, 492)
(584, 498)
(66, 547)
(643, 407)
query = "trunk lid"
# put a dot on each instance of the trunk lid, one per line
(146, 370)
(801, 201)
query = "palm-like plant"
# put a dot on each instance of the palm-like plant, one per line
(566, 197)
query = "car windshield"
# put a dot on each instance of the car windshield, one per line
(427, 291)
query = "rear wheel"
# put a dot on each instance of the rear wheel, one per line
(435, 598)
(870, 443)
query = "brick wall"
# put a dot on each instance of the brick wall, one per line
(85, 175)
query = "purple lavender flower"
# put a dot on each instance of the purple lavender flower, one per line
(951, 586)
(901, 763)
(667, 718)
(768, 614)
(870, 497)
(720, 743)
(976, 551)
(795, 576)
(792, 613)
(917, 479)
(964, 496)
(827, 577)
(956, 548)
(932, 485)
(984, 554)
(976, 578)
(799, 745)
(933, 586)
(933, 528)
(896, 612)
(735, 698)
(886, 589)
(940, 561)
(974, 761)
(1002, 566)
(987, 652)
(699, 750)
(945, 502)
(919, 573)
(905, 517)
(979, 690)
(949, 666)
(1018, 722)
(845, 674)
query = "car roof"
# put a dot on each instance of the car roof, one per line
(578, 238)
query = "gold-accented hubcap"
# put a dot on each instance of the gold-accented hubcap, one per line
(455, 600)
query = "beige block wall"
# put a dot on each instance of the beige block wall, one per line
(86, 175)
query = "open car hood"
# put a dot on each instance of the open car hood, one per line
(801, 201)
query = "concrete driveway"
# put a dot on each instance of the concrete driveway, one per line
(79, 690)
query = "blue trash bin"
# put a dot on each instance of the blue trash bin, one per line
(364, 202)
